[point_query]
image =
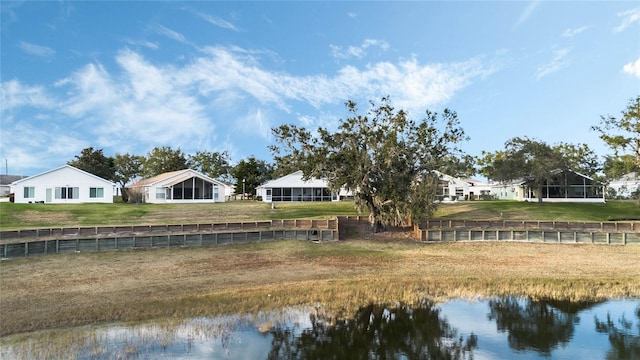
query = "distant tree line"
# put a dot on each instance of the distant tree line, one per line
(387, 159)
(125, 169)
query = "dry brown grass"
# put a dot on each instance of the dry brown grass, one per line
(74, 289)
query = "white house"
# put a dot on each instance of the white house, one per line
(512, 190)
(63, 185)
(452, 188)
(565, 186)
(293, 188)
(5, 183)
(625, 186)
(182, 186)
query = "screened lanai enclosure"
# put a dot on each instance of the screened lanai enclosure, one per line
(190, 189)
(294, 187)
(299, 194)
(180, 186)
(568, 186)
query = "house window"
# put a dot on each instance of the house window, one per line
(160, 193)
(67, 193)
(29, 192)
(96, 193)
(215, 192)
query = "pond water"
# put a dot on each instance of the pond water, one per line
(494, 328)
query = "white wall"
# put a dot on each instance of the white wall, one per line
(45, 185)
(507, 192)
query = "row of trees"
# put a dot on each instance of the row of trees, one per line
(126, 168)
(387, 159)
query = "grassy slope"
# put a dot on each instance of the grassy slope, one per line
(76, 289)
(21, 216)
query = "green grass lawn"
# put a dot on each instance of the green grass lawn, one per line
(23, 216)
(518, 210)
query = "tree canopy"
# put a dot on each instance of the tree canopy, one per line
(622, 134)
(250, 174)
(535, 161)
(127, 168)
(94, 162)
(213, 164)
(523, 159)
(386, 159)
(164, 159)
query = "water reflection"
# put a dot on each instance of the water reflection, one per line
(539, 325)
(495, 328)
(376, 332)
(625, 343)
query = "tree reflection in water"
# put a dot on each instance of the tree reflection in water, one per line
(376, 332)
(539, 325)
(624, 343)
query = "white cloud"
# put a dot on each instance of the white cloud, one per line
(558, 63)
(410, 83)
(628, 17)
(255, 122)
(358, 51)
(526, 13)
(15, 95)
(92, 88)
(37, 50)
(633, 68)
(141, 104)
(218, 22)
(37, 144)
(144, 103)
(147, 44)
(569, 33)
(170, 33)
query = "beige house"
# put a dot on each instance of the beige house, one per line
(182, 186)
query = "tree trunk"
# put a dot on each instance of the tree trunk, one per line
(539, 193)
(375, 223)
(124, 194)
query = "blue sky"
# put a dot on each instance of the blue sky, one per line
(217, 76)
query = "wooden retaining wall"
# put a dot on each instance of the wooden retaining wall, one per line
(611, 226)
(90, 231)
(541, 236)
(142, 241)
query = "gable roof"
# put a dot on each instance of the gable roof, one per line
(294, 180)
(524, 181)
(8, 179)
(64, 167)
(460, 181)
(632, 176)
(173, 177)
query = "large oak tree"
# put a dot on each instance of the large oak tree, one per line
(386, 159)
(622, 134)
(537, 162)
